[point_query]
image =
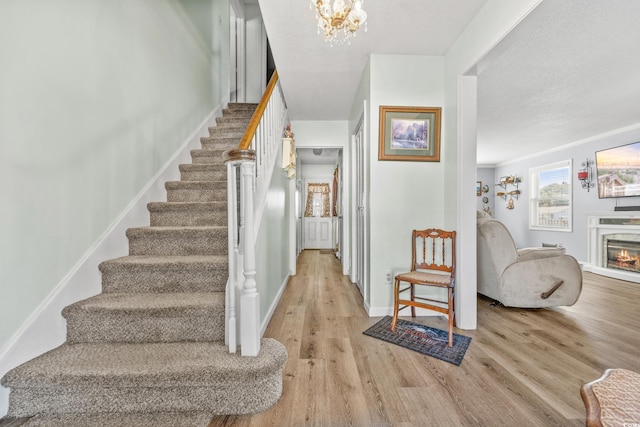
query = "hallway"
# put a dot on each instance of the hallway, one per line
(523, 367)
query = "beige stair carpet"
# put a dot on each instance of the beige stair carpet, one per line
(149, 350)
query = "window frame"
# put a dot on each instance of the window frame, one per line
(534, 183)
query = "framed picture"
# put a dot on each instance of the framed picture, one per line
(409, 133)
(478, 188)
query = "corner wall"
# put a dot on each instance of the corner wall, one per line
(575, 242)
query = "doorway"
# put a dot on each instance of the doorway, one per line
(317, 216)
(236, 54)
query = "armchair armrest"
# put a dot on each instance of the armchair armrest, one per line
(527, 254)
(543, 282)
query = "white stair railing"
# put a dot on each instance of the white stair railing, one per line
(249, 170)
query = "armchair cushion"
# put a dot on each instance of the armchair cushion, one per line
(526, 254)
(528, 278)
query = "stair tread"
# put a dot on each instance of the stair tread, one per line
(148, 302)
(160, 229)
(155, 419)
(213, 153)
(203, 166)
(170, 260)
(145, 365)
(197, 185)
(217, 139)
(240, 126)
(185, 205)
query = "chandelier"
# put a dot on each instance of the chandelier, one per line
(339, 19)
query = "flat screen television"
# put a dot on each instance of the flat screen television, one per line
(618, 171)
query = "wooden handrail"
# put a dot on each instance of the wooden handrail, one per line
(245, 142)
(238, 154)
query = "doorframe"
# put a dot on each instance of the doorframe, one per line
(356, 252)
(237, 42)
(315, 180)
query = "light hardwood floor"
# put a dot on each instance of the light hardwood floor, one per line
(523, 367)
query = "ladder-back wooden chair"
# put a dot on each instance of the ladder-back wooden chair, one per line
(433, 260)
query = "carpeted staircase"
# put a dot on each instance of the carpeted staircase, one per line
(149, 350)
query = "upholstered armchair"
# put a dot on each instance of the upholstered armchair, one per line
(527, 278)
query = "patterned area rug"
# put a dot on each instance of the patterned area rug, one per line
(423, 339)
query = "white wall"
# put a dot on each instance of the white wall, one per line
(210, 18)
(320, 133)
(256, 54)
(486, 176)
(274, 242)
(318, 171)
(96, 97)
(402, 195)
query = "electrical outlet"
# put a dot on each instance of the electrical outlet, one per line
(388, 276)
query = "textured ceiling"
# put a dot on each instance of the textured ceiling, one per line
(568, 71)
(320, 81)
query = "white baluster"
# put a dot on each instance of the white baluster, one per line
(230, 295)
(250, 299)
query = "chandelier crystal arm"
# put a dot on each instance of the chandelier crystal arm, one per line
(339, 20)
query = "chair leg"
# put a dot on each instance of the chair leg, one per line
(451, 316)
(413, 298)
(396, 297)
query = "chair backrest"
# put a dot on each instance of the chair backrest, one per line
(496, 248)
(433, 249)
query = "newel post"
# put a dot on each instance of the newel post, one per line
(250, 299)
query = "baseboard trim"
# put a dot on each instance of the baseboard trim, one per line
(274, 305)
(45, 328)
(388, 311)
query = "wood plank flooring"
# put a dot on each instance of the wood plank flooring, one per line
(523, 367)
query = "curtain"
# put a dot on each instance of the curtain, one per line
(335, 192)
(318, 203)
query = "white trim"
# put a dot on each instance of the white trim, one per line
(45, 328)
(388, 311)
(466, 299)
(274, 305)
(569, 145)
(534, 187)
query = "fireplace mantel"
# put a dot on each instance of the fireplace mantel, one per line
(601, 224)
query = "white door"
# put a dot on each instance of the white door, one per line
(317, 220)
(317, 233)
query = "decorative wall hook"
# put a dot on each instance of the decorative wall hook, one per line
(585, 175)
(509, 189)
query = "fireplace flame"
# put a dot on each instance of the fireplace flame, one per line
(624, 257)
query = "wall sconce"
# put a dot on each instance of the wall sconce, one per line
(585, 175)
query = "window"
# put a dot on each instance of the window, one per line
(550, 197)
(318, 202)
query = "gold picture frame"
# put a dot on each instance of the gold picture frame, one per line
(409, 134)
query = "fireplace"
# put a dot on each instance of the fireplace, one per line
(614, 245)
(623, 254)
